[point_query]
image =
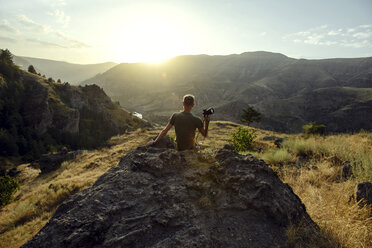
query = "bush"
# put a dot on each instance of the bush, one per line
(277, 156)
(311, 128)
(8, 186)
(242, 139)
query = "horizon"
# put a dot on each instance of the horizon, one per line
(91, 32)
(160, 62)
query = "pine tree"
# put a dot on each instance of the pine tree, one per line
(250, 115)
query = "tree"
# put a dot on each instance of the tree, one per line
(6, 56)
(31, 69)
(312, 128)
(250, 115)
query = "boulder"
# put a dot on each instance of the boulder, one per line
(278, 142)
(159, 197)
(51, 162)
(363, 191)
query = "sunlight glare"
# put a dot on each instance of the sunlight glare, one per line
(150, 38)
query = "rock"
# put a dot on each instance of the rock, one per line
(51, 162)
(270, 138)
(278, 142)
(346, 170)
(363, 191)
(228, 147)
(158, 197)
(165, 142)
(13, 172)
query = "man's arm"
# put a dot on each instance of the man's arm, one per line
(204, 130)
(161, 134)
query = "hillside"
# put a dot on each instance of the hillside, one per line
(288, 92)
(67, 72)
(39, 116)
(311, 166)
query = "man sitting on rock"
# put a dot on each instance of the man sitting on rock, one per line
(185, 124)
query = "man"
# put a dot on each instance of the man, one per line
(185, 124)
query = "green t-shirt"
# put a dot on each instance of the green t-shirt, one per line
(185, 125)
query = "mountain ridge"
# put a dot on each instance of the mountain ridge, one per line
(68, 72)
(260, 79)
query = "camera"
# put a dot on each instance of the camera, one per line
(208, 111)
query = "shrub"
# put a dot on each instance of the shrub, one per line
(31, 69)
(312, 128)
(8, 186)
(277, 156)
(242, 139)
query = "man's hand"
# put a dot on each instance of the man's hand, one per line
(150, 143)
(207, 118)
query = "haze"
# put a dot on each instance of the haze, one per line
(152, 31)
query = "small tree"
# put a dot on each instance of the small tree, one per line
(312, 128)
(8, 186)
(242, 139)
(59, 81)
(6, 56)
(250, 115)
(31, 69)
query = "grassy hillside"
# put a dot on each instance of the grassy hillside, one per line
(310, 165)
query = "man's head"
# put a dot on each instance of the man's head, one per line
(188, 101)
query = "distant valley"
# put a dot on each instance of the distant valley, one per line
(288, 92)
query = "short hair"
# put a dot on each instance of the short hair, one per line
(188, 100)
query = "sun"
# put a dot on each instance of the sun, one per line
(151, 38)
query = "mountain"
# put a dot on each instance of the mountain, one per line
(67, 72)
(288, 92)
(39, 115)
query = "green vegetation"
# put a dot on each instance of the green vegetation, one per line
(312, 128)
(277, 156)
(31, 69)
(250, 115)
(19, 137)
(8, 186)
(357, 149)
(242, 139)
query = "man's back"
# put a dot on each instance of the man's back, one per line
(185, 125)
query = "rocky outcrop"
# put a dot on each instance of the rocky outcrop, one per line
(51, 162)
(363, 193)
(158, 197)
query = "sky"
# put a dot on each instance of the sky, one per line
(95, 31)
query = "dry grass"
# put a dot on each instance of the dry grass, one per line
(39, 196)
(328, 201)
(330, 204)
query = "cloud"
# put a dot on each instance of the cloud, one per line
(30, 24)
(5, 26)
(72, 42)
(68, 42)
(361, 35)
(355, 37)
(7, 39)
(45, 43)
(60, 16)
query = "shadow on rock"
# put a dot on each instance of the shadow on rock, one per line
(158, 197)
